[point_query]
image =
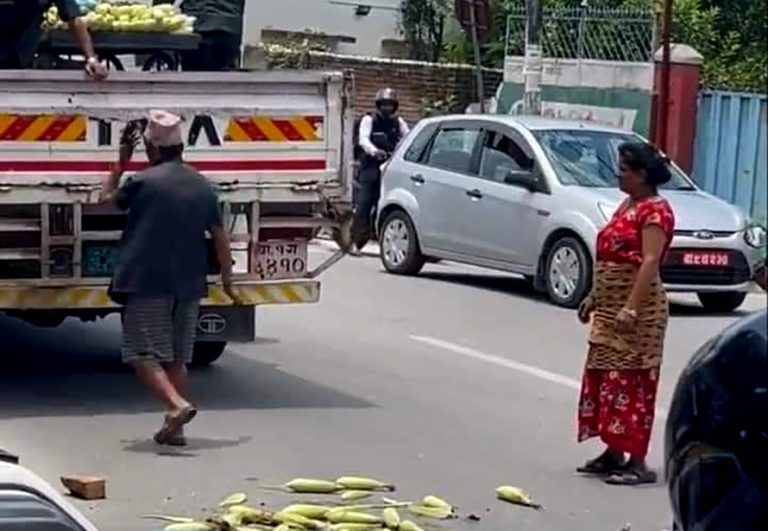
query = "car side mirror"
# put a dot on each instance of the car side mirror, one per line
(527, 179)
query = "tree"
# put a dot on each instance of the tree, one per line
(423, 22)
(730, 35)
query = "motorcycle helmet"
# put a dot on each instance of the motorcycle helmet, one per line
(716, 440)
(386, 101)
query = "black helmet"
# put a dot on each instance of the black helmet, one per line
(387, 95)
(716, 441)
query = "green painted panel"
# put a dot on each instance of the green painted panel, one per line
(620, 107)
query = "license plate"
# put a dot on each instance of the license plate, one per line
(281, 259)
(704, 259)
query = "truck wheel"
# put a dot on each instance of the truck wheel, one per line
(568, 273)
(399, 245)
(207, 352)
(722, 302)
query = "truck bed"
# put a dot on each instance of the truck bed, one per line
(267, 136)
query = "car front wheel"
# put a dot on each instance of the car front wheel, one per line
(722, 302)
(207, 352)
(568, 272)
(399, 244)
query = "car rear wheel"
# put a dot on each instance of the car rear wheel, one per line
(568, 272)
(726, 301)
(207, 352)
(399, 244)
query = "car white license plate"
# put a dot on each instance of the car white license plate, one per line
(281, 259)
(706, 259)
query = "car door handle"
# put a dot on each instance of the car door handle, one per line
(417, 179)
(475, 194)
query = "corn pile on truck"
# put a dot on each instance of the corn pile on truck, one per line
(277, 145)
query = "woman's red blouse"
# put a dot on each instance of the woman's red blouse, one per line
(620, 240)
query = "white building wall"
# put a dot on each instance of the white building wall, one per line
(332, 17)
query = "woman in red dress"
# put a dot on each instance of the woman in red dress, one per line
(628, 310)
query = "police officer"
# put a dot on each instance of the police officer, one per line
(379, 134)
(716, 443)
(20, 32)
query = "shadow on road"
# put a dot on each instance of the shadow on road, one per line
(679, 309)
(507, 284)
(148, 446)
(75, 370)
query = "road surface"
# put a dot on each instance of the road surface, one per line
(451, 383)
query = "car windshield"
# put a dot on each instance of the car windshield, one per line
(590, 158)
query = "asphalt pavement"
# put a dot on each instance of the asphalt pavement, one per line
(450, 383)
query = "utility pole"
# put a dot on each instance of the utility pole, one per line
(476, 50)
(532, 68)
(663, 102)
(475, 17)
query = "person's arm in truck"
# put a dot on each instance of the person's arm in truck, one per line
(70, 13)
(221, 246)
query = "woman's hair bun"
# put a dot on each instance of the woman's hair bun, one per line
(642, 156)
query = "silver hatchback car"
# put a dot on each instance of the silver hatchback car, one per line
(528, 195)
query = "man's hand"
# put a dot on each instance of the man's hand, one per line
(96, 69)
(129, 139)
(380, 154)
(229, 289)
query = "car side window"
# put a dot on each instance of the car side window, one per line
(21, 510)
(500, 156)
(452, 149)
(416, 150)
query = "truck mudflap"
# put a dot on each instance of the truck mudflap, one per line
(20, 298)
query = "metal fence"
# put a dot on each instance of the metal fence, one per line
(609, 34)
(731, 149)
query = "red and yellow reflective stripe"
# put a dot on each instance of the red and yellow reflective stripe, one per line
(42, 128)
(266, 129)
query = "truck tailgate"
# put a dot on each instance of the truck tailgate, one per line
(246, 131)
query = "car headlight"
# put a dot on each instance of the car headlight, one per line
(606, 210)
(755, 236)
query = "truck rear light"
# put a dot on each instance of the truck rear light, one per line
(61, 262)
(61, 220)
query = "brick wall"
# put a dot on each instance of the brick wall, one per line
(413, 80)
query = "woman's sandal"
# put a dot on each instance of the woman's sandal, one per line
(632, 477)
(602, 466)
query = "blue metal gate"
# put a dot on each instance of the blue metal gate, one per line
(731, 149)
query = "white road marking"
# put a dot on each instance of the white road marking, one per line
(530, 370)
(507, 363)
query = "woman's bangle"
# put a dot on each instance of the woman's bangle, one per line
(629, 311)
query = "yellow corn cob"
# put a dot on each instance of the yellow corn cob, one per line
(312, 486)
(434, 501)
(350, 526)
(359, 483)
(352, 495)
(407, 525)
(391, 518)
(307, 510)
(238, 498)
(297, 520)
(249, 515)
(515, 495)
(440, 513)
(342, 515)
